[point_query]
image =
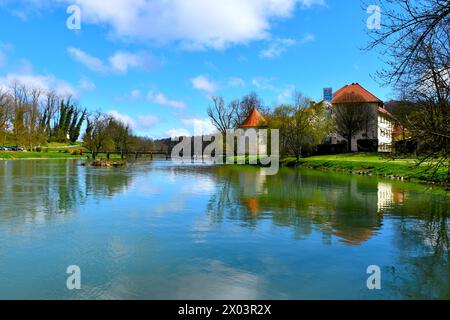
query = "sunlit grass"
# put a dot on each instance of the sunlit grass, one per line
(9, 155)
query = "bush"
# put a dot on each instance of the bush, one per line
(406, 146)
(367, 145)
(326, 149)
(74, 152)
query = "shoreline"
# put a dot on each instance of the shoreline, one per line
(405, 171)
(370, 165)
(355, 164)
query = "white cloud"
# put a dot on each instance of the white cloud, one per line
(176, 133)
(147, 122)
(123, 118)
(38, 81)
(201, 126)
(284, 92)
(135, 94)
(197, 127)
(86, 85)
(276, 48)
(120, 62)
(280, 45)
(142, 123)
(194, 24)
(161, 99)
(307, 38)
(236, 82)
(203, 83)
(263, 83)
(91, 62)
(123, 61)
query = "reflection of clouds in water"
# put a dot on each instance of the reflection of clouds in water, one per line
(219, 282)
(200, 233)
(144, 187)
(202, 185)
(118, 249)
(209, 280)
(176, 205)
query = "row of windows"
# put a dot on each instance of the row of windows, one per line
(383, 120)
(385, 148)
(385, 133)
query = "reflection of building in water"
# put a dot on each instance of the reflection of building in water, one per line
(388, 196)
(252, 205)
(344, 209)
(252, 186)
(251, 125)
(385, 195)
(356, 218)
(359, 227)
(354, 237)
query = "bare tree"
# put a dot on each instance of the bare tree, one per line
(6, 114)
(223, 116)
(350, 119)
(49, 110)
(415, 39)
(246, 106)
(97, 135)
(120, 134)
(26, 130)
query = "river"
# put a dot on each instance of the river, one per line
(160, 230)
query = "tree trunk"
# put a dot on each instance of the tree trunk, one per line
(349, 144)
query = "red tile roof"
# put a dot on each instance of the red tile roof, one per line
(255, 119)
(386, 112)
(354, 93)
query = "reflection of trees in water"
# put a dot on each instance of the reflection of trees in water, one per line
(106, 182)
(337, 205)
(422, 239)
(222, 201)
(36, 191)
(353, 209)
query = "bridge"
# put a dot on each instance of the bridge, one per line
(135, 154)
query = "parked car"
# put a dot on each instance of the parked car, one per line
(12, 149)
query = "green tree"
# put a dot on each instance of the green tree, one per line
(302, 125)
(97, 135)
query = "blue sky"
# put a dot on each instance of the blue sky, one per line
(155, 64)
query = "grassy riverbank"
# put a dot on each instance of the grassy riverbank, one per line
(371, 165)
(8, 155)
(374, 164)
(57, 154)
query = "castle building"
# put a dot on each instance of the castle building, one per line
(380, 126)
(255, 121)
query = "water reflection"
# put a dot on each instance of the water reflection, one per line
(37, 191)
(159, 230)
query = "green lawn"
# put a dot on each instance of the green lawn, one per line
(9, 155)
(375, 164)
(369, 164)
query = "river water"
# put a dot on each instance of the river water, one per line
(160, 230)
